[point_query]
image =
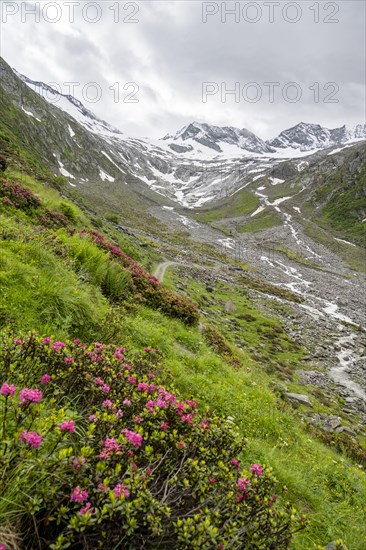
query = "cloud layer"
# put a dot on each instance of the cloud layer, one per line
(282, 61)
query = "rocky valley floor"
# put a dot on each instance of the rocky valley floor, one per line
(328, 322)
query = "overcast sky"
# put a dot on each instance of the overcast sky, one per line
(183, 57)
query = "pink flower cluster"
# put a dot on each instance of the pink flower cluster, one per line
(32, 438)
(79, 494)
(46, 378)
(205, 425)
(132, 380)
(110, 445)
(68, 426)
(147, 388)
(7, 389)
(243, 483)
(119, 353)
(121, 489)
(102, 385)
(133, 437)
(56, 346)
(163, 401)
(87, 510)
(187, 418)
(17, 195)
(30, 396)
(256, 469)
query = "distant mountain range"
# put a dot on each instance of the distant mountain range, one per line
(302, 138)
(198, 165)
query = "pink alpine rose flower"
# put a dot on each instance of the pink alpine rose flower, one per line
(46, 378)
(87, 510)
(133, 437)
(121, 489)
(243, 484)
(79, 494)
(30, 396)
(7, 389)
(68, 426)
(256, 469)
(32, 438)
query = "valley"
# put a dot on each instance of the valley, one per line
(240, 262)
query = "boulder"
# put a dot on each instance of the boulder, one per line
(299, 399)
(229, 307)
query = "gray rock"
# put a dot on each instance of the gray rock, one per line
(229, 307)
(330, 423)
(299, 399)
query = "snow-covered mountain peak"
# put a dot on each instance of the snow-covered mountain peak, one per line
(70, 105)
(229, 140)
(311, 137)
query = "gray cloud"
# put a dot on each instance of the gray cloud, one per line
(170, 53)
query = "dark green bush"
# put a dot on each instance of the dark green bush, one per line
(96, 453)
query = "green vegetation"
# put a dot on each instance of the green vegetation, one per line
(241, 203)
(297, 257)
(354, 256)
(261, 221)
(73, 282)
(127, 460)
(343, 203)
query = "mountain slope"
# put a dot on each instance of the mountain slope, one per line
(221, 139)
(197, 166)
(71, 283)
(310, 137)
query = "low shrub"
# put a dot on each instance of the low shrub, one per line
(15, 194)
(96, 452)
(53, 219)
(220, 346)
(147, 288)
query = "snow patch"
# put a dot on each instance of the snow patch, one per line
(30, 114)
(275, 181)
(343, 241)
(104, 176)
(64, 172)
(259, 209)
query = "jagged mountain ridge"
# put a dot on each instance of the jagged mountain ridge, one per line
(216, 137)
(307, 137)
(90, 152)
(301, 138)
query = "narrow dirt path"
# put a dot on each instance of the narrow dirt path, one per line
(161, 269)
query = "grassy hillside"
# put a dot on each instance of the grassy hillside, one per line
(107, 446)
(346, 205)
(241, 203)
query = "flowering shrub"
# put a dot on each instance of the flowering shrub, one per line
(14, 194)
(220, 345)
(139, 468)
(53, 219)
(146, 287)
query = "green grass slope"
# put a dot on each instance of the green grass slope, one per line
(65, 280)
